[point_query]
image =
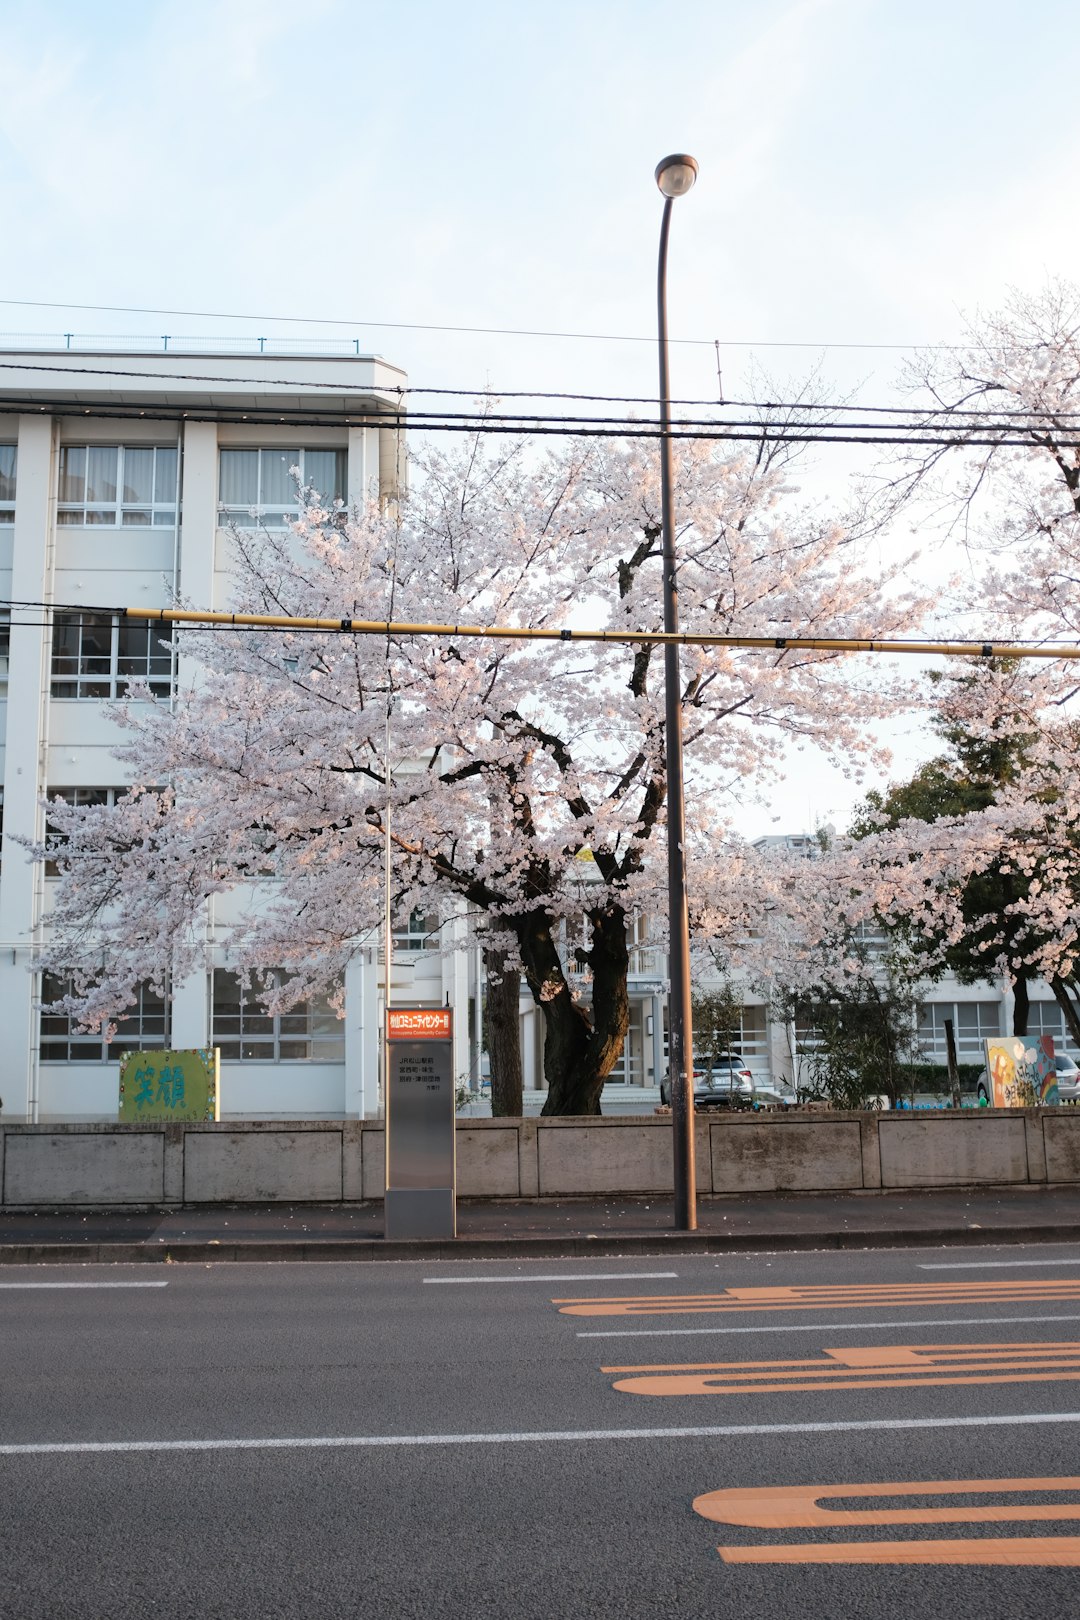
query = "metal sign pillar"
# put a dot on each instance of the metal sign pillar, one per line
(421, 1174)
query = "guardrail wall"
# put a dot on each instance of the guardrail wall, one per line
(335, 1161)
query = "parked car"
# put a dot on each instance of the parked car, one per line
(730, 1084)
(1068, 1082)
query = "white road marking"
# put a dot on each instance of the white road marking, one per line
(824, 1327)
(562, 1276)
(991, 1265)
(347, 1442)
(84, 1285)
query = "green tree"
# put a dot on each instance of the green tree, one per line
(965, 779)
(856, 1042)
(717, 1020)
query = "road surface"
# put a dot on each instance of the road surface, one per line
(815, 1434)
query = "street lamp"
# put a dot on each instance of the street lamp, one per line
(675, 175)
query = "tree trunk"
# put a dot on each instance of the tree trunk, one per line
(579, 1050)
(1068, 1007)
(1021, 1005)
(502, 1027)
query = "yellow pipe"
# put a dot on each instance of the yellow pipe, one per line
(683, 638)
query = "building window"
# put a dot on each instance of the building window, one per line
(422, 934)
(311, 1031)
(79, 797)
(145, 1027)
(5, 649)
(749, 1042)
(9, 459)
(1045, 1018)
(97, 655)
(973, 1022)
(257, 486)
(119, 485)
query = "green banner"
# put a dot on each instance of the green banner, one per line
(170, 1085)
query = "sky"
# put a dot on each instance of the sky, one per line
(871, 172)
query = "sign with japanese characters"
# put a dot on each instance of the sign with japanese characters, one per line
(419, 1023)
(170, 1086)
(420, 1117)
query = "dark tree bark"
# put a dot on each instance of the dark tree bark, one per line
(502, 1026)
(580, 1047)
(1021, 1005)
(1068, 1007)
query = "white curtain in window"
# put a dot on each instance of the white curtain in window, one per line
(101, 475)
(239, 478)
(138, 475)
(323, 470)
(278, 486)
(165, 467)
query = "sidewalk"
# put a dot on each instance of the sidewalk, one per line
(520, 1230)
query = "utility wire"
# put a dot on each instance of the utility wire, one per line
(755, 432)
(484, 331)
(939, 412)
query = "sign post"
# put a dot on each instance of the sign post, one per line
(421, 1179)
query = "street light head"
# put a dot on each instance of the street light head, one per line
(676, 174)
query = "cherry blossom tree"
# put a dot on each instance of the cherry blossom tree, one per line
(526, 779)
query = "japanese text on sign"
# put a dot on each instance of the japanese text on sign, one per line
(418, 1023)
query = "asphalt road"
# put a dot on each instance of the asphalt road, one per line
(367, 1440)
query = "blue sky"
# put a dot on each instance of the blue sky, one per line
(870, 169)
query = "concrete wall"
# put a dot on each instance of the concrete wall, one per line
(329, 1161)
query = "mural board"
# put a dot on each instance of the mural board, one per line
(1021, 1070)
(180, 1086)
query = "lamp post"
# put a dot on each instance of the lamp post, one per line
(675, 175)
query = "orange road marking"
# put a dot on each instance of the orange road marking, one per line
(798, 1507)
(786, 1507)
(874, 1367)
(839, 1296)
(1061, 1552)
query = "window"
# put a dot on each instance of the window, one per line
(422, 934)
(258, 486)
(76, 796)
(96, 655)
(1045, 1018)
(9, 457)
(5, 649)
(750, 1041)
(126, 485)
(144, 1027)
(311, 1031)
(973, 1021)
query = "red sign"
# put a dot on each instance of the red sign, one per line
(419, 1023)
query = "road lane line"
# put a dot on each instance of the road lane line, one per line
(990, 1265)
(84, 1285)
(815, 1327)
(564, 1276)
(532, 1437)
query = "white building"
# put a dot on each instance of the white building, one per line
(118, 471)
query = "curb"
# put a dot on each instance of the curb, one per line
(523, 1248)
